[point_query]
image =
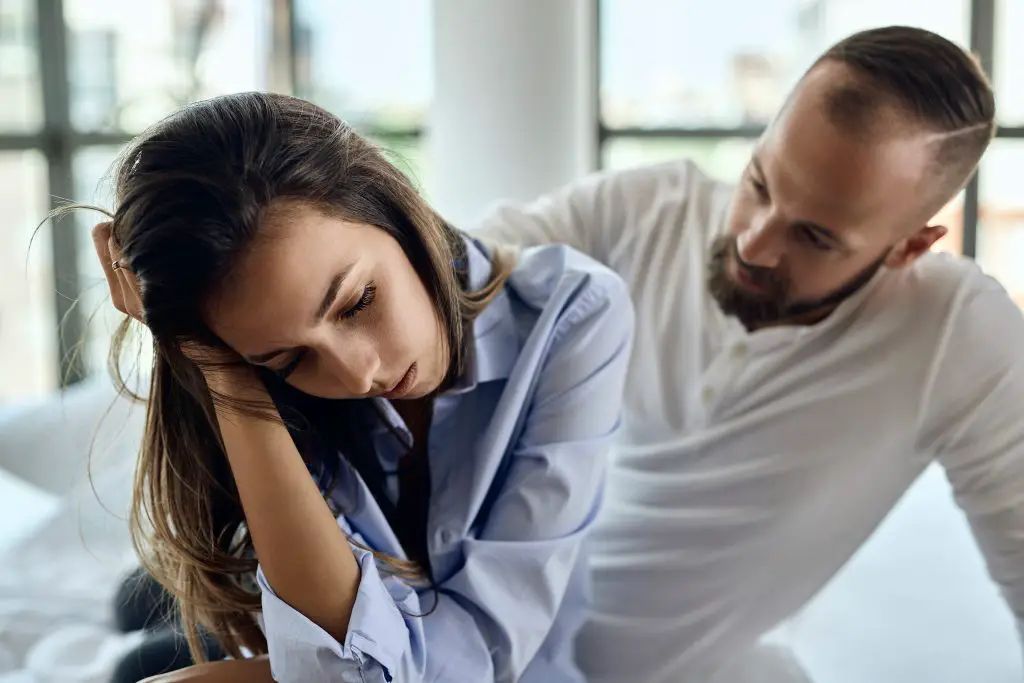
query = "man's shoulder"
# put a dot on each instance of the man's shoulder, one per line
(970, 333)
(976, 310)
(948, 276)
(676, 179)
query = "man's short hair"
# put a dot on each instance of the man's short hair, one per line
(925, 79)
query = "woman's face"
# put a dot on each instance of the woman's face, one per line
(334, 307)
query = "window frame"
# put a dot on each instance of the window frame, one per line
(59, 141)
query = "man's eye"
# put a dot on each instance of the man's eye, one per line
(815, 240)
(760, 188)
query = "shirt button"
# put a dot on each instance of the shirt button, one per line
(707, 395)
(444, 537)
(740, 350)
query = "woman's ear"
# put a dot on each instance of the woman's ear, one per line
(124, 288)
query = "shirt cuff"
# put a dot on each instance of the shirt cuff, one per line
(378, 637)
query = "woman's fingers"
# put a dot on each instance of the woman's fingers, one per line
(226, 671)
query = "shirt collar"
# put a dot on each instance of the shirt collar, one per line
(493, 337)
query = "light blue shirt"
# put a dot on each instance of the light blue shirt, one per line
(517, 455)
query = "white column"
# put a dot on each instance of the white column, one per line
(513, 106)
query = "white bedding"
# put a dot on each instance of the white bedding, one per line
(913, 605)
(63, 548)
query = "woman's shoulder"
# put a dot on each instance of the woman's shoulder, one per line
(560, 277)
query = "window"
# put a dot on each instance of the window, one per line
(91, 166)
(27, 341)
(1001, 216)
(1000, 235)
(130, 62)
(723, 158)
(19, 67)
(371, 67)
(28, 344)
(686, 78)
(688, 64)
(1008, 64)
(678, 78)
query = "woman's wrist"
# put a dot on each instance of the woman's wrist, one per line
(235, 382)
(226, 374)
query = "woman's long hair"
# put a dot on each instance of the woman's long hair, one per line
(191, 194)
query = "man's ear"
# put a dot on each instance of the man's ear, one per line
(911, 248)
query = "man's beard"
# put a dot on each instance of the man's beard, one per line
(772, 305)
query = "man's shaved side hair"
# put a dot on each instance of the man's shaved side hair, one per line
(925, 81)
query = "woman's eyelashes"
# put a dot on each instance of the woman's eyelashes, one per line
(365, 300)
(368, 295)
(292, 366)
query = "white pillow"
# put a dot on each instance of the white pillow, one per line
(48, 442)
(23, 507)
(59, 575)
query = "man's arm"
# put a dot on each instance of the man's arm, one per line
(601, 215)
(979, 430)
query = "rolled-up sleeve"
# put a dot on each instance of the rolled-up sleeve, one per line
(380, 640)
(494, 614)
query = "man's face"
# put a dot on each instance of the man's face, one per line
(818, 211)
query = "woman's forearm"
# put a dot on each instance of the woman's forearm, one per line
(305, 556)
(255, 670)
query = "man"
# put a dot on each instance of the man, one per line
(802, 356)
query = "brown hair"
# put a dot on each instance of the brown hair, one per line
(191, 196)
(926, 79)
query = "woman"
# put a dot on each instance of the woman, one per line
(374, 447)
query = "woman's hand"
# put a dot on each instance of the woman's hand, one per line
(302, 551)
(226, 373)
(256, 670)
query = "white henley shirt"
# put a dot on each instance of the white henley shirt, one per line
(753, 465)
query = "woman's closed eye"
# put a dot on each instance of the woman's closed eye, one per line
(364, 301)
(760, 189)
